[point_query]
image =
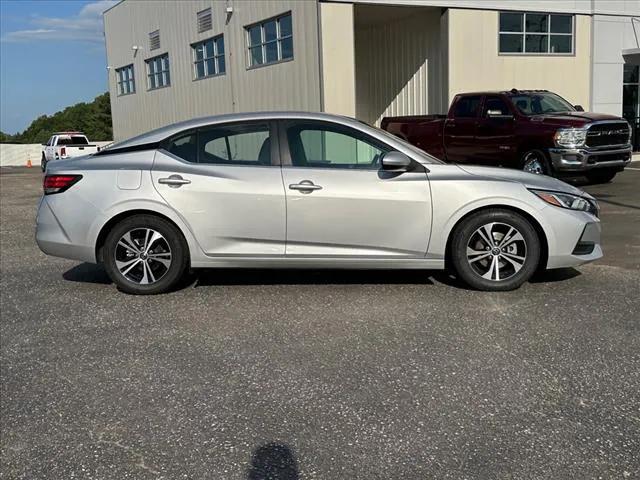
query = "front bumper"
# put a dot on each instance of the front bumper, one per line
(579, 241)
(583, 159)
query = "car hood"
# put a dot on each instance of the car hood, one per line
(573, 119)
(529, 180)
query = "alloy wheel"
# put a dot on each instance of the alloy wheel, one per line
(143, 256)
(496, 251)
(533, 164)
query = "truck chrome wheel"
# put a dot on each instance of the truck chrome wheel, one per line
(496, 251)
(143, 256)
(533, 164)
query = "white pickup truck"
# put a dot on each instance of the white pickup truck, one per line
(66, 145)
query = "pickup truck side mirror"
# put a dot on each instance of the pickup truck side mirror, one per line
(395, 162)
(499, 114)
(578, 108)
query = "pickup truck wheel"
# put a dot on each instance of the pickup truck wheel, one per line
(601, 176)
(43, 163)
(495, 250)
(534, 161)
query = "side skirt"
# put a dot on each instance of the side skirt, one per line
(355, 263)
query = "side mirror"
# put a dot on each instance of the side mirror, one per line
(499, 114)
(578, 108)
(396, 162)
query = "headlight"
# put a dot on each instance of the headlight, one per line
(570, 137)
(567, 200)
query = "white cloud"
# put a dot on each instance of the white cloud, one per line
(86, 26)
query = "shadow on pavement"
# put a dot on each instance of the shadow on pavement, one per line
(556, 275)
(87, 273)
(91, 273)
(246, 276)
(273, 461)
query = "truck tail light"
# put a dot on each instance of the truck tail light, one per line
(63, 151)
(59, 183)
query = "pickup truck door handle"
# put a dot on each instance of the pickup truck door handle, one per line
(174, 181)
(305, 186)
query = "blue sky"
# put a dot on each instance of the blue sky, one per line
(52, 55)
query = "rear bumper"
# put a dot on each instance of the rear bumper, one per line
(53, 239)
(584, 159)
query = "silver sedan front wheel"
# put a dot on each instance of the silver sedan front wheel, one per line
(496, 251)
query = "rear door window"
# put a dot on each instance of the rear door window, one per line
(248, 144)
(467, 107)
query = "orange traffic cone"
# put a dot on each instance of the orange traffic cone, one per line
(29, 165)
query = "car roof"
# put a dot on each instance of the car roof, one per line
(162, 133)
(67, 133)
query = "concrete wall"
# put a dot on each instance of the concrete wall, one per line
(399, 62)
(14, 155)
(611, 35)
(338, 59)
(475, 65)
(293, 84)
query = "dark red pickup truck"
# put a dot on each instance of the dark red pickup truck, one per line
(533, 130)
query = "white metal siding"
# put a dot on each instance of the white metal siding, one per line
(290, 85)
(399, 67)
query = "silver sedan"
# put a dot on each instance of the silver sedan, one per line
(305, 190)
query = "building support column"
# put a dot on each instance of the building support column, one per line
(338, 70)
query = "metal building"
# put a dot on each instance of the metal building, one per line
(175, 60)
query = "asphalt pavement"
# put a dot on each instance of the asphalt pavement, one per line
(319, 374)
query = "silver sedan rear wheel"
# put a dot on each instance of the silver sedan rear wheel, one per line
(496, 251)
(143, 256)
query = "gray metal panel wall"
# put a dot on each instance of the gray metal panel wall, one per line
(289, 85)
(399, 68)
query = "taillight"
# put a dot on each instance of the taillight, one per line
(59, 183)
(63, 151)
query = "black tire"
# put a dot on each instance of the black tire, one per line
(470, 269)
(601, 176)
(173, 242)
(43, 163)
(531, 158)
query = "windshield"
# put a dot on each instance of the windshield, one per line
(539, 103)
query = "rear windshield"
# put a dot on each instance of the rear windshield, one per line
(73, 140)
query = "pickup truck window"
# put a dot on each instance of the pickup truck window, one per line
(539, 103)
(495, 105)
(467, 107)
(73, 140)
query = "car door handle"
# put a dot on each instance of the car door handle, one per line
(305, 186)
(174, 181)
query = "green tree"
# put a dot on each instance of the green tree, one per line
(94, 119)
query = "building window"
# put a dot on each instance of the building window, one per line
(536, 33)
(270, 41)
(631, 101)
(154, 40)
(208, 57)
(158, 72)
(126, 81)
(205, 21)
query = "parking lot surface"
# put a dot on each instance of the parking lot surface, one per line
(319, 374)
